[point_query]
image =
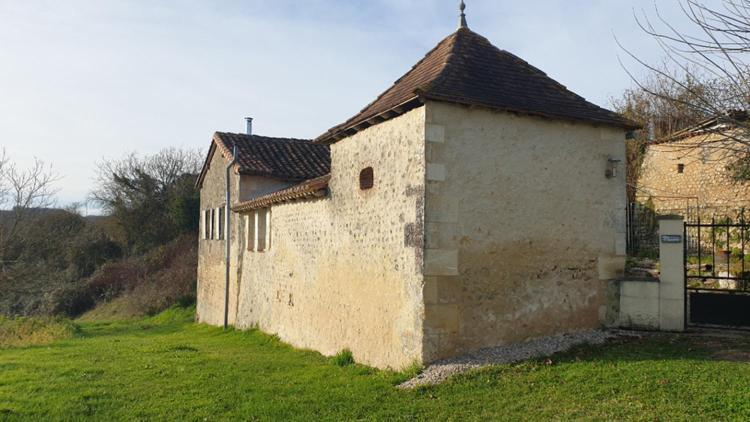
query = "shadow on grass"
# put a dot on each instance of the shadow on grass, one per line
(170, 321)
(118, 329)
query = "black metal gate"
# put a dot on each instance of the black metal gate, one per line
(716, 274)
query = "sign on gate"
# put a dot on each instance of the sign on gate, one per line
(671, 238)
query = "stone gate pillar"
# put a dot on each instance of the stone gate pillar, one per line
(672, 285)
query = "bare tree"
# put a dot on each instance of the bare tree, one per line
(659, 117)
(22, 192)
(3, 182)
(705, 71)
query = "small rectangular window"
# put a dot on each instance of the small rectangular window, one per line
(205, 224)
(222, 219)
(680, 168)
(250, 236)
(212, 216)
(262, 231)
(367, 178)
(268, 229)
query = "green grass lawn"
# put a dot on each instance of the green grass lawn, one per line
(171, 369)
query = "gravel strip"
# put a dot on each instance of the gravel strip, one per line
(444, 369)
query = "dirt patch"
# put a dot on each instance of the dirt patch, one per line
(731, 347)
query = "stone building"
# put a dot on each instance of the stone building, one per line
(689, 171)
(476, 202)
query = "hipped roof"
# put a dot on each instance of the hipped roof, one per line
(465, 68)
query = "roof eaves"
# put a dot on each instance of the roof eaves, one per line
(340, 132)
(625, 123)
(314, 188)
(216, 143)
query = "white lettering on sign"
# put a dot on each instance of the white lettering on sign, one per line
(671, 238)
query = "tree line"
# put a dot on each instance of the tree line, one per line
(57, 261)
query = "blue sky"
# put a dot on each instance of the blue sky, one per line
(81, 80)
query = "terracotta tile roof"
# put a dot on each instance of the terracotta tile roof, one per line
(281, 158)
(315, 188)
(466, 68)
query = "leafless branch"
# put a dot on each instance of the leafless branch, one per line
(22, 191)
(704, 74)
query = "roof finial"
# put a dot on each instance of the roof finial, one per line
(462, 23)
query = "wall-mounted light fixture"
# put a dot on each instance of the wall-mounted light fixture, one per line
(612, 166)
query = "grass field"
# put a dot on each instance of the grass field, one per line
(168, 368)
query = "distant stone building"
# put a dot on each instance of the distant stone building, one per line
(688, 171)
(476, 202)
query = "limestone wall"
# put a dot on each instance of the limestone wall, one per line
(211, 252)
(345, 271)
(523, 229)
(705, 181)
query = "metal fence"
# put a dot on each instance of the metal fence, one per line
(642, 233)
(643, 224)
(716, 254)
(717, 280)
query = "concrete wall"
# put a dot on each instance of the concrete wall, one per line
(523, 230)
(705, 181)
(345, 271)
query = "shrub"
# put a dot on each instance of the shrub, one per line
(344, 358)
(47, 264)
(148, 284)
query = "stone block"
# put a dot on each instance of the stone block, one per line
(441, 236)
(449, 290)
(430, 291)
(644, 290)
(435, 133)
(441, 319)
(639, 312)
(430, 348)
(439, 262)
(672, 291)
(436, 172)
(671, 315)
(441, 209)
